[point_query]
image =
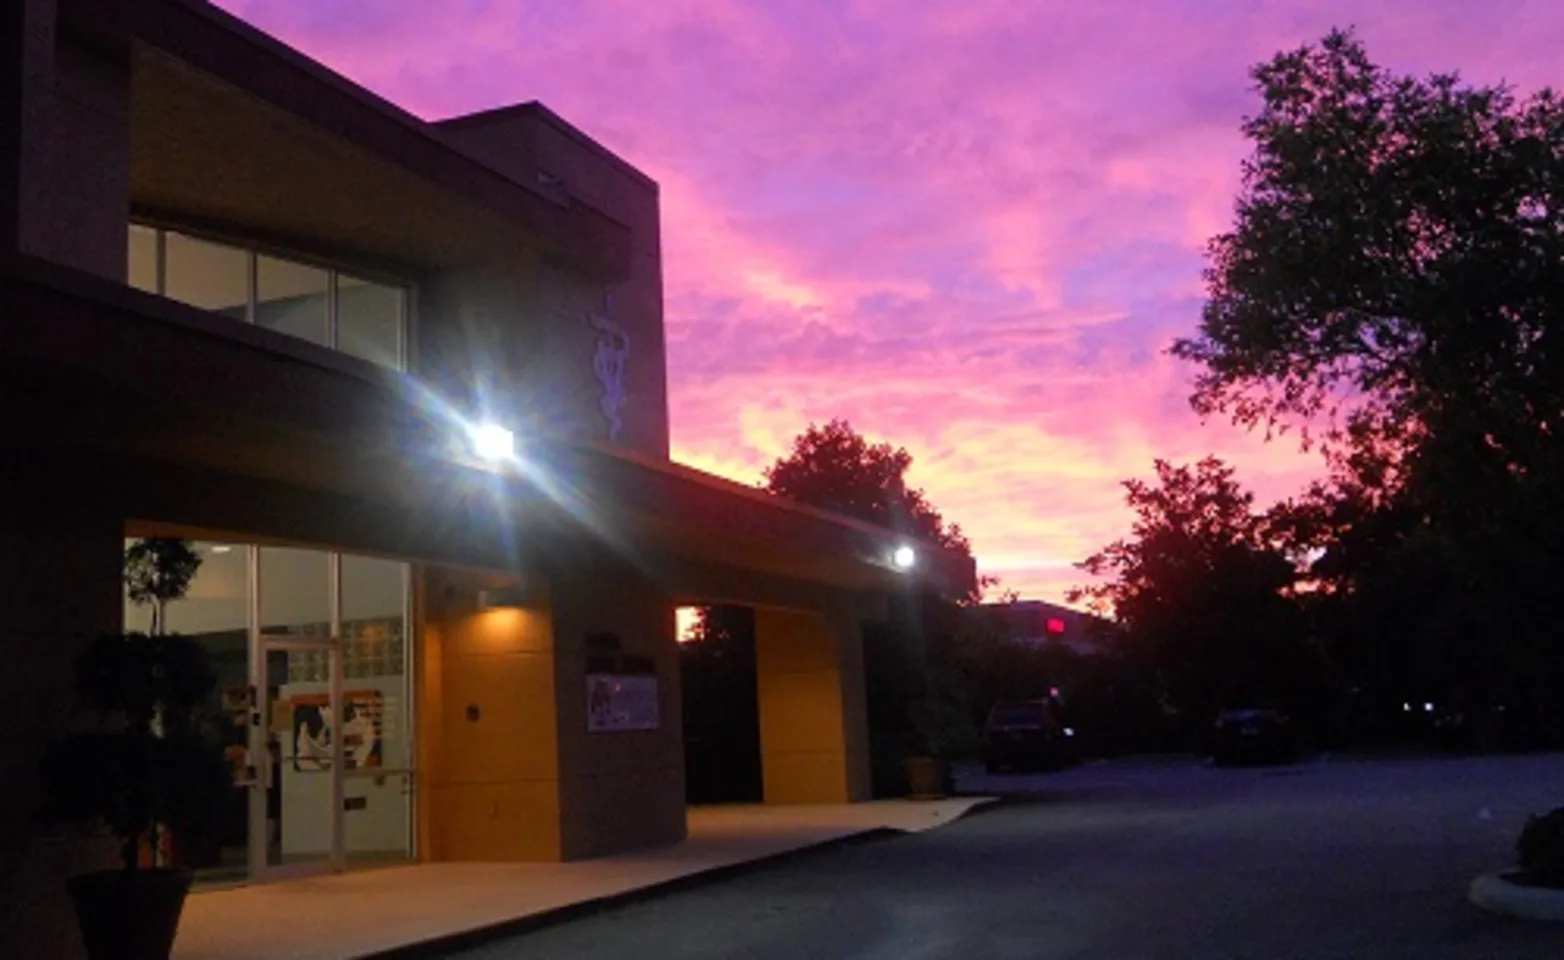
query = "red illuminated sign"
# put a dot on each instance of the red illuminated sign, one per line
(1054, 625)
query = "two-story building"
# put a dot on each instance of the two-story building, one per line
(402, 384)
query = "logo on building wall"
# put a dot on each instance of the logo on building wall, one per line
(613, 352)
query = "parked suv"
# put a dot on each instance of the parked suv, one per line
(1026, 734)
(1254, 735)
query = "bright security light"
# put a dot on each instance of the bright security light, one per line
(492, 441)
(903, 557)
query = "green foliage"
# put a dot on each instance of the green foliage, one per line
(139, 763)
(1540, 849)
(836, 468)
(1391, 287)
(943, 730)
(140, 677)
(1203, 590)
(159, 570)
(1396, 248)
(142, 765)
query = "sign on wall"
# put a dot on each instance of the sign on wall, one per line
(608, 362)
(618, 703)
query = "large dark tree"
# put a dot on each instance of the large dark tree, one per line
(1395, 260)
(1393, 286)
(1204, 593)
(835, 468)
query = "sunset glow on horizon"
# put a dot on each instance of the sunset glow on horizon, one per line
(969, 227)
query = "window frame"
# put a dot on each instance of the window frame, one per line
(335, 269)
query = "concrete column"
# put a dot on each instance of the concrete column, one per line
(814, 732)
(65, 150)
(619, 790)
(488, 709)
(60, 586)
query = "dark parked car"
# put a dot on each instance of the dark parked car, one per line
(1254, 735)
(1026, 734)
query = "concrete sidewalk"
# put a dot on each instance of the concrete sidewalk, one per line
(370, 912)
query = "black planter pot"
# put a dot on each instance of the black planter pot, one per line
(129, 915)
(927, 778)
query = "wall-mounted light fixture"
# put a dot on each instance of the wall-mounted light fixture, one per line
(502, 598)
(492, 441)
(904, 557)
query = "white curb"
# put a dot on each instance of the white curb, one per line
(1494, 893)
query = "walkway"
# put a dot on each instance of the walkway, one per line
(362, 913)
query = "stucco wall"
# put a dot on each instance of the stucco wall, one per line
(492, 787)
(71, 106)
(60, 587)
(531, 146)
(618, 791)
(814, 735)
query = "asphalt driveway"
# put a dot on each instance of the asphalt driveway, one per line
(1154, 858)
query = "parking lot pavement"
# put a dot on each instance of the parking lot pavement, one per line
(1137, 859)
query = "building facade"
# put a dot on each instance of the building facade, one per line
(1041, 623)
(402, 384)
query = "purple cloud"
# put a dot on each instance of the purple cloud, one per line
(967, 225)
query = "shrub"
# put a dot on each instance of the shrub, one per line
(143, 767)
(1540, 849)
(942, 730)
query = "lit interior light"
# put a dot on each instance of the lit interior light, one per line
(221, 549)
(1428, 708)
(1069, 731)
(1406, 707)
(903, 557)
(492, 441)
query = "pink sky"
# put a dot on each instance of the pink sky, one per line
(968, 226)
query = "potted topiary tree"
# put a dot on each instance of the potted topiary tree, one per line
(137, 768)
(942, 733)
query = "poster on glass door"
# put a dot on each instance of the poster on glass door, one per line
(362, 716)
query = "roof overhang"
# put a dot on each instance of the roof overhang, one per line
(109, 368)
(232, 129)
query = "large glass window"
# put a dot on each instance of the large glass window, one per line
(142, 259)
(295, 593)
(212, 276)
(376, 746)
(311, 652)
(370, 320)
(216, 611)
(347, 312)
(293, 298)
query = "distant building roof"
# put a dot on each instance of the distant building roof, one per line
(1042, 622)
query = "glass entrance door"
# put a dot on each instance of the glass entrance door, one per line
(296, 812)
(312, 708)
